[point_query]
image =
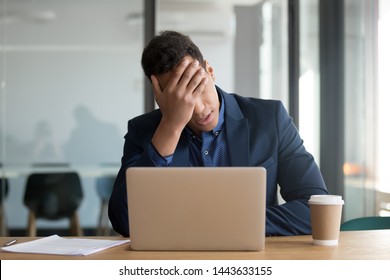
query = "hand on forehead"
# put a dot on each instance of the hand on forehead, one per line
(187, 68)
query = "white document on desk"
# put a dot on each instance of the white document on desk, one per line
(57, 245)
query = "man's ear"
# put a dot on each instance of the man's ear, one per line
(209, 69)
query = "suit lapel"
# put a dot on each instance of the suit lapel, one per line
(237, 132)
(238, 142)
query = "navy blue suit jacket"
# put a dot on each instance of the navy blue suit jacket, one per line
(259, 133)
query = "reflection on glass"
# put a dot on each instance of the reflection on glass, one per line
(70, 80)
(61, 56)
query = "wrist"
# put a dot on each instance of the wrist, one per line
(165, 138)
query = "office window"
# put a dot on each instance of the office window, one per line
(309, 88)
(367, 135)
(366, 90)
(70, 79)
(383, 102)
(360, 105)
(274, 51)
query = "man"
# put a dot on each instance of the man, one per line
(198, 124)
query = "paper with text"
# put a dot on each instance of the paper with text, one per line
(57, 245)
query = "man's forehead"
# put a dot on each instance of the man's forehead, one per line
(164, 78)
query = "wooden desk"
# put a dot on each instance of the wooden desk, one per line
(353, 245)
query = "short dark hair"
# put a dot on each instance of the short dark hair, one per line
(166, 50)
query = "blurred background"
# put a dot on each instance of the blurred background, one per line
(71, 78)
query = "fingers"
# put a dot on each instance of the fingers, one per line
(193, 82)
(179, 71)
(188, 76)
(201, 86)
(192, 76)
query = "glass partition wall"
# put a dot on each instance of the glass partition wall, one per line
(70, 80)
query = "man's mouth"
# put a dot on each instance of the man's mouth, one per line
(206, 120)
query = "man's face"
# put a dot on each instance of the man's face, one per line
(206, 112)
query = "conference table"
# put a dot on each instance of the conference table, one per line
(353, 245)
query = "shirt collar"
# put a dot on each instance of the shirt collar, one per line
(221, 119)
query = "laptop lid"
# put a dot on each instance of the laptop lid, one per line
(196, 208)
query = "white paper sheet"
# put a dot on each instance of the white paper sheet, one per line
(57, 245)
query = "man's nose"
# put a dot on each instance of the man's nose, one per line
(199, 107)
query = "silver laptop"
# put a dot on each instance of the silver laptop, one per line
(196, 208)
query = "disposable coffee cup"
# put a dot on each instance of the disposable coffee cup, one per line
(325, 211)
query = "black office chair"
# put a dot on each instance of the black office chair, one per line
(104, 186)
(366, 223)
(53, 196)
(4, 188)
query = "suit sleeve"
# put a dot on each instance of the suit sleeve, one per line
(135, 153)
(298, 177)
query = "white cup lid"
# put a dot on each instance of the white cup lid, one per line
(326, 199)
